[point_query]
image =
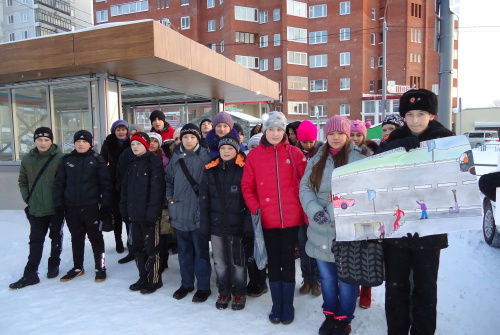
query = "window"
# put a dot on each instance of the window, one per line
(11, 19)
(345, 7)
(381, 61)
(245, 38)
(276, 14)
(213, 46)
(222, 46)
(279, 90)
(415, 81)
(277, 63)
(26, 34)
(299, 58)
(211, 25)
(317, 37)
(297, 107)
(369, 107)
(248, 61)
(221, 2)
(319, 61)
(296, 8)
(263, 17)
(185, 22)
(435, 88)
(263, 41)
(101, 16)
(221, 22)
(317, 11)
(9, 3)
(345, 84)
(160, 4)
(297, 35)
(372, 85)
(345, 109)
(319, 111)
(416, 35)
(210, 3)
(24, 17)
(184, 2)
(263, 64)
(345, 58)
(245, 13)
(372, 62)
(345, 34)
(373, 38)
(12, 37)
(129, 8)
(277, 109)
(374, 14)
(320, 85)
(297, 83)
(24, 2)
(416, 10)
(277, 39)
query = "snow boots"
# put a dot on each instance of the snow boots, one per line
(365, 297)
(26, 280)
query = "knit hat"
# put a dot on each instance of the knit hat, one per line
(223, 117)
(338, 123)
(177, 133)
(141, 137)
(254, 140)
(230, 140)
(191, 128)
(136, 127)
(118, 123)
(205, 120)
(307, 131)
(420, 99)
(43, 132)
(238, 128)
(275, 119)
(156, 136)
(156, 114)
(359, 126)
(395, 120)
(83, 135)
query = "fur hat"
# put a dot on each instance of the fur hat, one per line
(395, 120)
(141, 137)
(359, 126)
(230, 140)
(177, 133)
(156, 114)
(254, 140)
(223, 117)
(83, 135)
(420, 99)
(338, 123)
(307, 131)
(43, 132)
(136, 127)
(155, 136)
(118, 123)
(190, 128)
(275, 119)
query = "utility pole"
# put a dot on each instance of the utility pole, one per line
(383, 102)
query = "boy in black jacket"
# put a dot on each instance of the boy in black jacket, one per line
(420, 254)
(82, 183)
(141, 201)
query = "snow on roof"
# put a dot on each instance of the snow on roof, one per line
(246, 117)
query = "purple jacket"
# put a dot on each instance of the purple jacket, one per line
(423, 206)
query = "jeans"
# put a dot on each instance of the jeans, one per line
(307, 264)
(194, 259)
(231, 278)
(280, 246)
(338, 298)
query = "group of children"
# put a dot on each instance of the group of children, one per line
(211, 188)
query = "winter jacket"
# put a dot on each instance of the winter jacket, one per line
(143, 189)
(111, 151)
(82, 179)
(397, 139)
(488, 184)
(270, 183)
(167, 133)
(184, 211)
(310, 153)
(222, 208)
(212, 141)
(121, 169)
(320, 237)
(40, 202)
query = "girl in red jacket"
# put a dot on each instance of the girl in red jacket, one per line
(270, 184)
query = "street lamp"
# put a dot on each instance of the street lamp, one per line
(384, 64)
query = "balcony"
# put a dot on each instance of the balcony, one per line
(59, 5)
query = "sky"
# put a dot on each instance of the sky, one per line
(479, 53)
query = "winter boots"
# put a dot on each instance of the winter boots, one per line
(100, 275)
(365, 297)
(149, 288)
(72, 274)
(239, 302)
(26, 280)
(138, 285)
(182, 292)
(257, 285)
(288, 311)
(306, 287)
(126, 259)
(53, 272)
(277, 297)
(201, 296)
(119, 244)
(223, 301)
(328, 325)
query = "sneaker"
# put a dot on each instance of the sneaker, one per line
(26, 280)
(151, 288)
(72, 274)
(182, 292)
(119, 246)
(201, 296)
(328, 326)
(306, 287)
(126, 259)
(223, 301)
(53, 272)
(342, 327)
(100, 275)
(316, 289)
(138, 285)
(238, 302)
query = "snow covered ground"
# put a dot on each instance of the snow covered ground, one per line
(469, 291)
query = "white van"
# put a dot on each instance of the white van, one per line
(478, 138)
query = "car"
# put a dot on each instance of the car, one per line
(478, 138)
(488, 184)
(339, 202)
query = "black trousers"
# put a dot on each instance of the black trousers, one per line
(398, 264)
(280, 246)
(39, 226)
(145, 245)
(84, 221)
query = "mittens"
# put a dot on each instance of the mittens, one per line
(321, 217)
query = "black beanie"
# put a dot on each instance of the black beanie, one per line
(156, 114)
(205, 120)
(191, 128)
(420, 99)
(43, 132)
(230, 140)
(83, 135)
(238, 128)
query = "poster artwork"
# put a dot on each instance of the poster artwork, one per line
(429, 190)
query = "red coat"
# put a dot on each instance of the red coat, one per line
(166, 134)
(270, 184)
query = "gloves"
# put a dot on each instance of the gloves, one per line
(411, 240)
(321, 217)
(409, 143)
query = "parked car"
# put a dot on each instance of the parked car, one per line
(488, 185)
(480, 137)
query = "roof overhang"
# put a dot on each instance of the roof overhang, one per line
(145, 51)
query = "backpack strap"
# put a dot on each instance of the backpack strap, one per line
(194, 184)
(44, 167)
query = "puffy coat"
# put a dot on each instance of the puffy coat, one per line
(271, 184)
(222, 208)
(82, 179)
(121, 169)
(40, 203)
(212, 141)
(143, 189)
(184, 212)
(111, 151)
(166, 133)
(320, 237)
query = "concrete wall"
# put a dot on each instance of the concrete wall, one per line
(10, 197)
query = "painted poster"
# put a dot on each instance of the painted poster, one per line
(429, 190)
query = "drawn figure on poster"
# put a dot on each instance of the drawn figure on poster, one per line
(381, 229)
(423, 208)
(456, 209)
(397, 213)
